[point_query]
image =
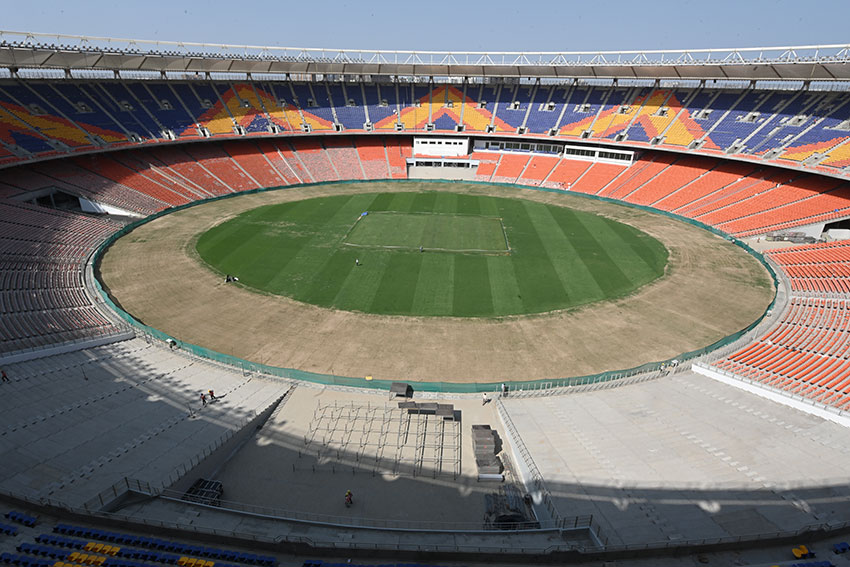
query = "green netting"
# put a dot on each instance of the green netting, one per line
(451, 387)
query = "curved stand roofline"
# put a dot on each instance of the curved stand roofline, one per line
(63, 51)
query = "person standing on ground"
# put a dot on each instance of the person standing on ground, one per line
(3, 376)
(212, 395)
(203, 399)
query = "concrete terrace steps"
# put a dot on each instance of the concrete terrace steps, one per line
(154, 454)
(176, 448)
(590, 450)
(139, 403)
(36, 397)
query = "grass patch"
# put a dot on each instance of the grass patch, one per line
(484, 256)
(431, 231)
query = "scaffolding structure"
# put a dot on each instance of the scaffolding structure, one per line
(381, 439)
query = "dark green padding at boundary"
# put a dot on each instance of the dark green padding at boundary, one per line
(452, 387)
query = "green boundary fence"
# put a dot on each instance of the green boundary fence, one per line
(452, 387)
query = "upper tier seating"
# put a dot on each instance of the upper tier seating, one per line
(45, 118)
(160, 101)
(348, 105)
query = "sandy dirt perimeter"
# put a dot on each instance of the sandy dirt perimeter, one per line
(712, 289)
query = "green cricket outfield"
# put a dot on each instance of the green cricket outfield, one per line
(433, 253)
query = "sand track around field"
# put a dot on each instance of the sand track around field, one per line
(712, 289)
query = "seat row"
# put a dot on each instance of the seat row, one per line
(164, 545)
(808, 352)
(101, 555)
(21, 518)
(123, 113)
(6, 529)
(739, 199)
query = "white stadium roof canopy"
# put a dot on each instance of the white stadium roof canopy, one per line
(24, 50)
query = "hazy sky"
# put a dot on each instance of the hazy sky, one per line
(493, 25)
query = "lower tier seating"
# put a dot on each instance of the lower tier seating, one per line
(806, 353)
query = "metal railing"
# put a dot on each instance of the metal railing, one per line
(331, 520)
(317, 541)
(640, 57)
(539, 484)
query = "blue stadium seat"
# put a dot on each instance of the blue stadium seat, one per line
(21, 518)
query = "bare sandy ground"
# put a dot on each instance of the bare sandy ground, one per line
(712, 289)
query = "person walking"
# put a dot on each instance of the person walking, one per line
(3, 376)
(212, 395)
(203, 399)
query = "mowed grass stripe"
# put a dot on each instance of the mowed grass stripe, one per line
(424, 202)
(259, 254)
(650, 250)
(538, 281)
(360, 285)
(469, 204)
(504, 287)
(298, 276)
(218, 243)
(398, 285)
(573, 273)
(328, 282)
(381, 202)
(445, 203)
(434, 294)
(633, 267)
(472, 294)
(607, 275)
(402, 202)
(366, 280)
(491, 206)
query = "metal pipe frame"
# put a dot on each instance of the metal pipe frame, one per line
(66, 52)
